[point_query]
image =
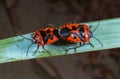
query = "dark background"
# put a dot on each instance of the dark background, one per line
(23, 16)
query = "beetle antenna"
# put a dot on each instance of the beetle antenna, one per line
(96, 26)
(25, 37)
(98, 41)
(29, 48)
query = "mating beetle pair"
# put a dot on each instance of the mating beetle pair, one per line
(70, 32)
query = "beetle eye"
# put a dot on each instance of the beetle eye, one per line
(37, 40)
(90, 34)
(82, 34)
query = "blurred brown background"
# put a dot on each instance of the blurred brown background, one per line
(23, 16)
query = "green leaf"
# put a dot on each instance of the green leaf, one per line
(15, 48)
